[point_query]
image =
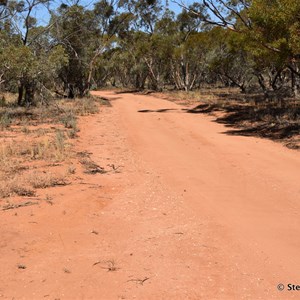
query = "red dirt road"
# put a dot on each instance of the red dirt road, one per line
(190, 213)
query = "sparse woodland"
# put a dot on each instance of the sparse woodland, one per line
(109, 191)
(252, 45)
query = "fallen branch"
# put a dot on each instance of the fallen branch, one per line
(139, 281)
(13, 206)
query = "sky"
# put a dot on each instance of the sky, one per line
(43, 16)
(173, 6)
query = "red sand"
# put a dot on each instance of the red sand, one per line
(192, 214)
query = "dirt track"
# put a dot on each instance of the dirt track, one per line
(190, 213)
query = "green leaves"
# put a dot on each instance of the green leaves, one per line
(276, 24)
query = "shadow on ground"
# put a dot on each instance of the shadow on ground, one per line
(270, 121)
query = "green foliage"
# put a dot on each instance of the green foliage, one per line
(69, 120)
(142, 44)
(5, 121)
(274, 23)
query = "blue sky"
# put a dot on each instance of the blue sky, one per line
(43, 16)
(174, 7)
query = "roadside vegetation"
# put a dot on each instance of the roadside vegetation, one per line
(50, 53)
(37, 146)
(245, 114)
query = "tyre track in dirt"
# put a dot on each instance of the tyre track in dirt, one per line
(245, 189)
(188, 213)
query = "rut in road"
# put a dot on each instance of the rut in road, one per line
(187, 212)
(247, 188)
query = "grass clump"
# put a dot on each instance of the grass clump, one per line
(14, 187)
(49, 149)
(2, 101)
(91, 167)
(69, 120)
(41, 180)
(5, 120)
(86, 106)
(36, 140)
(25, 186)
(59, 143)
(25, 130)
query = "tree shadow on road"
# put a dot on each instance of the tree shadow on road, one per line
(158, 110)
(271, 120)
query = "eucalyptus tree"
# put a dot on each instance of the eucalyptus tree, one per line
(276, 25)
(87, 34)
(189, 50)
(75, 30)
(271, 26)
(30, 60)
(147, 13)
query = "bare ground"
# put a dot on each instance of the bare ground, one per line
(185, 212)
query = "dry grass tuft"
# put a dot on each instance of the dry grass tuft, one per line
(33, 137)
(50, 149)
(42, 180)
(25, 186)
(14, 187)
(86, 106)
(91, 167)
